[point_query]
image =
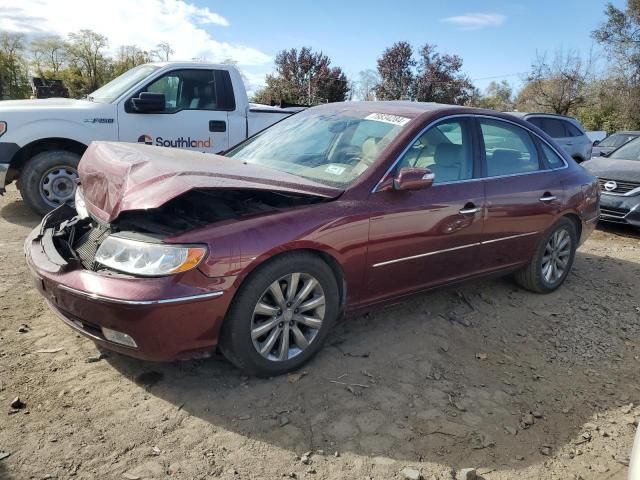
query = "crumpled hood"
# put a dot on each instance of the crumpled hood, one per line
(606, 167)
(117, 177)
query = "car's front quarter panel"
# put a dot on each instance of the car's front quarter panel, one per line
(338, 228)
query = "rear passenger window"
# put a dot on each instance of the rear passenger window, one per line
(554, 127)
(509, 149)
(553, 159)
(572, 130)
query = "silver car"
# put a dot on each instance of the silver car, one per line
(566, 131)
(612, 142)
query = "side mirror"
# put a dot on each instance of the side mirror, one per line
(409, 178)
(596, 143)
(148, 102)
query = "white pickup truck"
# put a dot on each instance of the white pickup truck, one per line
(197, 106)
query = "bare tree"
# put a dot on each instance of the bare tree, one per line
(163, 51)
(557, 86)
(48, 55)
(365, 86)
(86, 52)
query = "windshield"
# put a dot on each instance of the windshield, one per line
(616, 140)
(630, 151)
(333, 148)
(116, 87)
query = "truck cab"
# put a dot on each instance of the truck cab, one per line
(195, 106)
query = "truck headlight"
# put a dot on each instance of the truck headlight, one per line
(148, 259)
(79, 204)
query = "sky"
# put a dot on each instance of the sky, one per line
(497, 39)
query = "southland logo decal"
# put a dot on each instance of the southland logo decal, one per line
(180, 142)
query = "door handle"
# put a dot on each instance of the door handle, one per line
(217, 126)
(469, 210)
(547, 197)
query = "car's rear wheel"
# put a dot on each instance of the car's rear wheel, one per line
(553, 259)
(281, 315)
(49, 179)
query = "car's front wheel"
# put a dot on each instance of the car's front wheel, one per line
(553, 259)
(281, 315)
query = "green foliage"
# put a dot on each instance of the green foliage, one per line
(497, 96)
(14, 81)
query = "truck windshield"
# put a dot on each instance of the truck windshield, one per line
(333, 148)
(116, 87)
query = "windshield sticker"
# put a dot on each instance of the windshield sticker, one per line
(386, 118)
(335, 169)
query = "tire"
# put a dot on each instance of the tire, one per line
(52, 171)
(246, 313)
(534, 276)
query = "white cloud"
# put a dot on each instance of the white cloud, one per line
(125, 22)
(476, 21)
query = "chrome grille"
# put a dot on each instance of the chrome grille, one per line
(622, 187)
(613, 214)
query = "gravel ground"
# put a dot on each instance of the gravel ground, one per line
(484, 375)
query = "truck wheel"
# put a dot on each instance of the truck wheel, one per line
(281, 315)
(49, 179)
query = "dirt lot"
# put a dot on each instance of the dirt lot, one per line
(485, 375)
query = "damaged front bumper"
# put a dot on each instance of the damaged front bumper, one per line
(160, 318)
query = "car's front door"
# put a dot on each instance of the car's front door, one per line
(523, 193)
(426, 237)
(197, 102)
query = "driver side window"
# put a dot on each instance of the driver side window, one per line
(187, 90)
(445, 149)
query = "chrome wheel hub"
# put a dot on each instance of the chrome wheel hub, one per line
(58, 185)
(556, 256)
(288, 316)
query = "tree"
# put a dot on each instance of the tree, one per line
(558, 86)
(497, 96)
(620, 35)
(14, 81)
(48, 55)
(86, 55)
(365, 86)
(303, 77)
(395, 68)
(163, 51)
(129, 56)
(439, 78)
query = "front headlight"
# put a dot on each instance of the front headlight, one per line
(78, 201)
(3, 128)
(148, 259)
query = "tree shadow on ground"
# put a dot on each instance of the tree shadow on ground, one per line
(18, 213)
(445, 377)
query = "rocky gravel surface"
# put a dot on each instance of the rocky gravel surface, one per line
(484, 380)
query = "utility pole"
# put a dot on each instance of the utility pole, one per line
(309, 90)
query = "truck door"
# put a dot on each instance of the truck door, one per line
(197, 104)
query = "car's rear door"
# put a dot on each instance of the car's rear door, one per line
(523, 194)
(197, 103)
(422, 238)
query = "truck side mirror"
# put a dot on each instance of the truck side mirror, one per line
(148, 102)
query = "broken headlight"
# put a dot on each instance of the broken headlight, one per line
(148, 259)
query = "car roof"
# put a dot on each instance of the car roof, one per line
(391, 107)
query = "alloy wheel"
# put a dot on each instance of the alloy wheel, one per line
(288, 316)
(557, 253)
(58, 185)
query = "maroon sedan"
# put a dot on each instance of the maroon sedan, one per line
(168, 254)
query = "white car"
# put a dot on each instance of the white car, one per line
(197, 106)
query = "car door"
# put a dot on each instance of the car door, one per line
(523, 195)
(197, 102)
(426, 237)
